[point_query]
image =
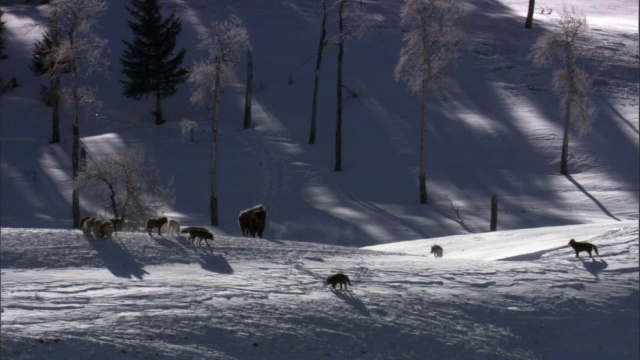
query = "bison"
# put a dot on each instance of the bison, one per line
(253, 221)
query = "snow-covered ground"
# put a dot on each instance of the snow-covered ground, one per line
(502, 295)
(518, 293)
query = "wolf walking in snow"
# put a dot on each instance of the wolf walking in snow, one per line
(579, 246)
(339, 278)
(156, 223)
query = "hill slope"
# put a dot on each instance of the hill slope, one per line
(65, 296)
(496, 132)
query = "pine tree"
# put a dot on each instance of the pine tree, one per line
(148, 62)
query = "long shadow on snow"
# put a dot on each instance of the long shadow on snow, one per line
(210, 261)
(594, 266)
(117, 258)
(598, 203)
(352, 300)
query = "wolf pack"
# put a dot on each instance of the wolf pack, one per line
(252, 222)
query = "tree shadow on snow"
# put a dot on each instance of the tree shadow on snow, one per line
(117, 259)
(594, 266)
(598, 203)
(351, 299)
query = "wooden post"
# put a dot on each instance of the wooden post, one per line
(494, 213)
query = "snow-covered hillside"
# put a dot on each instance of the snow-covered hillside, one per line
(68, 297)
(497, 132)
(518, 293)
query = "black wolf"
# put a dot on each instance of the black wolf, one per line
(583, 246)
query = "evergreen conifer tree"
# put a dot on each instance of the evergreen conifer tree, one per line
(147, 61)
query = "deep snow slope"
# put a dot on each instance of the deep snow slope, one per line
(65, 296)
(498, 131)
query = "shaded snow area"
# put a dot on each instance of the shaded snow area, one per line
(517, 293)
(66, 296)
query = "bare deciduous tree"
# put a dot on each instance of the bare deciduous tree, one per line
(352, 22)
(528, 23)
(316, 79)
(126, 183)
(430, 46)
(224, 41)
(79, 54)
(249, 91)
(570, 82)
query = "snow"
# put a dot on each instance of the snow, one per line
(517, 293)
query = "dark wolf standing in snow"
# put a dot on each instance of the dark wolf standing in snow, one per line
(338, 278)
(253, 221)
(198, 233)
(156, 223)
(579, 246)
(436, 250)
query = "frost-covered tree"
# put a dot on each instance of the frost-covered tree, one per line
(3, 54)
(148, 63)
(41, 65)
(126, 183)
(431, 44)
(224, 41)
(322, 43)
(571, 83)
(3, 47)
(79, 54)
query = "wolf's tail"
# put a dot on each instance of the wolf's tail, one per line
(596, 249)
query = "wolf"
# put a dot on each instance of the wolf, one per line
(579, 246)
(200, 236)
(174, 227)
(338, 278)
(436, 250)
(87, 226)
(199, 233)
(156, 223)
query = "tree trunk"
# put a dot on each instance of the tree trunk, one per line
(424, 198)
(338, 159)
(564, 157)
(529, 22)
(213, 182)
(249, 92)
(494, 213)
(316, 79)
(75, 148)
(55, 118)
(158, 112)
